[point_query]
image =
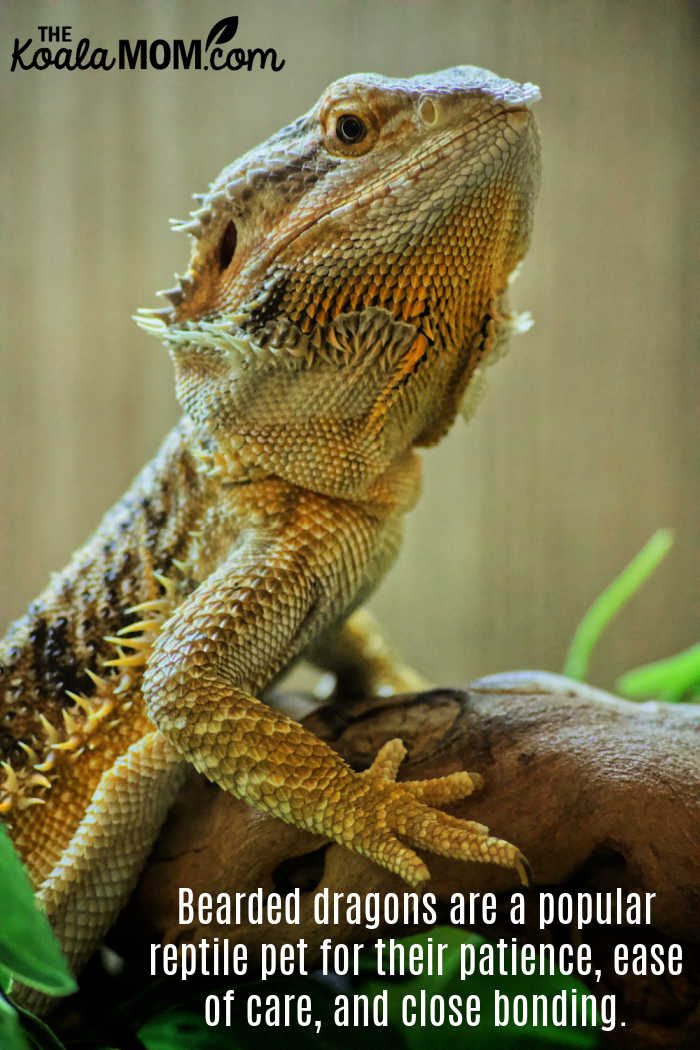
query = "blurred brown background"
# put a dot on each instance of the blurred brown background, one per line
(584, 443)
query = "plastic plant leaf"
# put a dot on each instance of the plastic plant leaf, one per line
(11, 1034)
(676, 678)
(29, 949)
(609, 603)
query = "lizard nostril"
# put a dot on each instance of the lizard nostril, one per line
(227, 246)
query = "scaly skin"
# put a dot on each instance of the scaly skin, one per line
(347, 281)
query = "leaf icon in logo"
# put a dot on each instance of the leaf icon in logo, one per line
(222, 31)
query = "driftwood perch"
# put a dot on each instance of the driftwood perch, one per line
(598, 793)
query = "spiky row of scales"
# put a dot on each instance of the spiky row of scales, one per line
(28, 786)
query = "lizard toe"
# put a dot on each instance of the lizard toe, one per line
(441, 790)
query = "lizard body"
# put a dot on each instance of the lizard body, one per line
(347, 279)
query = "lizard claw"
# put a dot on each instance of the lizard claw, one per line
(393, 809)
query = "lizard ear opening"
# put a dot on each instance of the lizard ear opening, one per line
(227, 246)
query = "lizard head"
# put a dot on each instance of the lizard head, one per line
(350, 272)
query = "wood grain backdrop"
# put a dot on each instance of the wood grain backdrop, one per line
(584, 444)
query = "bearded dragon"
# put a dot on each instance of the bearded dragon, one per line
(346, 285)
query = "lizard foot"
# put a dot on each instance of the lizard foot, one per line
(388, 809)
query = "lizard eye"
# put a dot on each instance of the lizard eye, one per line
(348, 134)
(350, 128)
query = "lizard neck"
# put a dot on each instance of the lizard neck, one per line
(342, 459)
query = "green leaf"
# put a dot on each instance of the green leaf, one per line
(5, 979)
(670, 680)
(37, 1033)
(28, 946)
(609, 603)
(11, 1035)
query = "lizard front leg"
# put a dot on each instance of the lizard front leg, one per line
(293, 576)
